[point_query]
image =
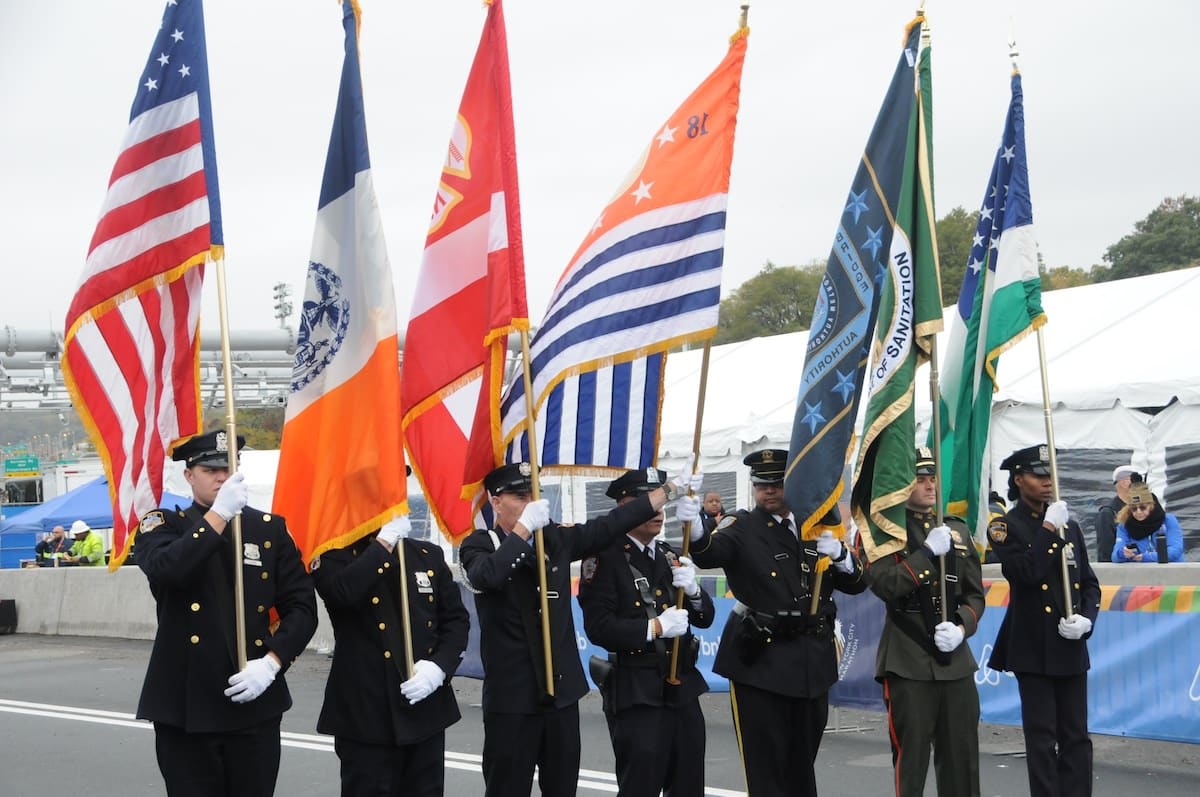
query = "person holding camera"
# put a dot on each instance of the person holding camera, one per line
(1145, 531)
(627, 593)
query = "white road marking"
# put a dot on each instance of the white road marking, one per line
(591, 779)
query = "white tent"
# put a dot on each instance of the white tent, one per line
(1123, 369)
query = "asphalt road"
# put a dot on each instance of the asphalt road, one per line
(67, 728)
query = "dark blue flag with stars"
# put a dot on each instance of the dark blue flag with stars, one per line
(839, 341)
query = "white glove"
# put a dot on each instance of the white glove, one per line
(394, 530)
(231, 497)
(252, 681)
(947, 636)
(535, 515)
(685, 480)
(831, 546)
(1057, 515)
(684, 577)
(674, 622)
(427, 677)
(938, 540)
(1074, 627)
(687, 510)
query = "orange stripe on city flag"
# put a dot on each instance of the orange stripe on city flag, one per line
(336, 471)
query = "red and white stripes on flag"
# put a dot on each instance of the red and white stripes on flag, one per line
(470, 295)
(131, 345)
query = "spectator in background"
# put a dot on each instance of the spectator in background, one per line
(711, 510)
(1106, 516)
(1141, 522)
(53, 547)
(88, 550)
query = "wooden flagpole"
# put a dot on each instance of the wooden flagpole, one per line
(538, 537)
(235, 526)
(673, 677)
(1068, 601)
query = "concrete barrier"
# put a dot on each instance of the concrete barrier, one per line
(90, 601)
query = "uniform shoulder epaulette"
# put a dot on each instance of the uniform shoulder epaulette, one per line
(998, 531)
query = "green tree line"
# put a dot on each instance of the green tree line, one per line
(781, 298)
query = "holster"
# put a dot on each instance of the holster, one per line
(752, 640)
(601, 670)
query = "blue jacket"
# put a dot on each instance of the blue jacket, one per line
(1146, 545)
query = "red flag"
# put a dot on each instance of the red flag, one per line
(470, 294)
(131, 346)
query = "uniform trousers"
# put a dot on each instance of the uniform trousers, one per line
(944, 714)
(233, 764)
(778, 737)
(386, 770)
(1058, 750)
(659, 749)
(514, 743)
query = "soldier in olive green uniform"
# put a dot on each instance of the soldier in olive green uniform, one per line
(926, 671)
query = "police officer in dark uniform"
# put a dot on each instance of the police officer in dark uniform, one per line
(390, 725)
(1043, 637)
(217, 729)
(522, 725)
(778, 655)
(627, 594)
(926, 671)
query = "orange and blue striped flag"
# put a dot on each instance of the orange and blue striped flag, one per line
(646, 278)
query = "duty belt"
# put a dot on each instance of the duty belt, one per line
(787, 624)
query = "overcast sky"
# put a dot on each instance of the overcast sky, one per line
(1112, 120)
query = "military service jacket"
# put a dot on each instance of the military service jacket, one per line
(502, 571)
(1030, 558)
(769, 571)
(900, 578)
(190, 570)
(615, 618)
(360, 585)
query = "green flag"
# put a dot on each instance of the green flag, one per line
(910, 314)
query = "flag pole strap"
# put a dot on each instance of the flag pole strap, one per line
(538, 536)
(405, 625)
(685, 545)
(935, 400)
(1068, 599)
(239, 580)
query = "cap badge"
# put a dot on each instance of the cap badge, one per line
(525, 469)
(1043, 453)
(222, 442)
(652, 475)
(768, 456)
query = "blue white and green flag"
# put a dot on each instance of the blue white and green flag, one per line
(1000, 303)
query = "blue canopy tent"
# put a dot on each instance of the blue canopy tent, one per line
(89, 502)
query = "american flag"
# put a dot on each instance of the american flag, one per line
(645, 279)
(132, 332)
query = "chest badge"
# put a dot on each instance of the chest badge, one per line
(251, 555)
(1069, 553)
(424, 585)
